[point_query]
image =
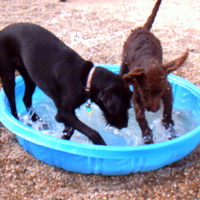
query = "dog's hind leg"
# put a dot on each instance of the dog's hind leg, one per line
(29, 90)
(8, 80)
(7, 74)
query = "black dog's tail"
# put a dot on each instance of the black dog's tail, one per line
(151, 18)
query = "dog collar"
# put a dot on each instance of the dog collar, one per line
(87, 90)
(89, 80)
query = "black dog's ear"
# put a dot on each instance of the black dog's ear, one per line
(111, 101)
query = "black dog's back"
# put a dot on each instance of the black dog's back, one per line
(43, 60)
(35, 46)
(42, 53)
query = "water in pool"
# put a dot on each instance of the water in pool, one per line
(130, 136)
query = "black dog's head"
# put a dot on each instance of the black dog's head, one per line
(116, 102)
(113, 99)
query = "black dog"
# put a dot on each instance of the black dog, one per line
(43, 60)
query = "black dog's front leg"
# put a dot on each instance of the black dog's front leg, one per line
(167, 121)
(147, 134)
(68, 132)
(71, 120)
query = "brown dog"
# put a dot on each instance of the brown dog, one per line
(142, 67)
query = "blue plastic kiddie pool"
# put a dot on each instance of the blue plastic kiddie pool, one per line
(106, 160)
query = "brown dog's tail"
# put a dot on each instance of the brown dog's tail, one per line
(151, 18)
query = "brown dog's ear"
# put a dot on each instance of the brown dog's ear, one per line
(174, 64)
(129, 78)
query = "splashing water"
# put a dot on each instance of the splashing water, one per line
(130, 136)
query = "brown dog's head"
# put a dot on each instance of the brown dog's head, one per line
(150, 82)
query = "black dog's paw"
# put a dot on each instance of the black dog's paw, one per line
(16, 115)
(66, 137)
(68, 132)
(35, 117)
(44, 127)
(98, 141)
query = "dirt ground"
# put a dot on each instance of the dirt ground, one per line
(97, 31)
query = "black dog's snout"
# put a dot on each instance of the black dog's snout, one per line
(121, 125)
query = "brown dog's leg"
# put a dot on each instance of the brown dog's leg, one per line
(167, 121)
(147, 134)
(167, 112)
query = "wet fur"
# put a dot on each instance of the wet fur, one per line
(142, 66)
(43, 60)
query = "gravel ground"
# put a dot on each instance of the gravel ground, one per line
(97, 30)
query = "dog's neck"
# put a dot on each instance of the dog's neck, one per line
(89, 80)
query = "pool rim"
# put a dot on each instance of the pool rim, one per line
(94, 150)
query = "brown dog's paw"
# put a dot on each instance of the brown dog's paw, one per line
(148, 139)
(173, 133)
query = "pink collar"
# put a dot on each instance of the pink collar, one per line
(89, 80)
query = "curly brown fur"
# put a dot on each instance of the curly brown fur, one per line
(142, 66)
